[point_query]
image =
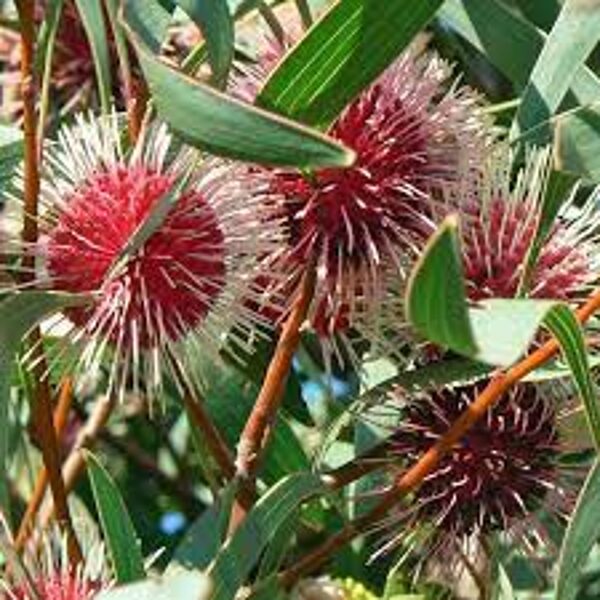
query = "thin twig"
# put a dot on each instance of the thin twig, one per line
(412, 478)
(42, 408)
(75, 463)
(267, 13)
(305, 14)
(257, 429)
(61, 414)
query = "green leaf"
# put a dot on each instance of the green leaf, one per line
(150, 20)
(495, 331)
(182, 585)
(222, 125)
(92, 17)
(564, 326)
(243, 550)
(117, 527)
(559, 188)
(543, 14)
(202, 541)
(19, 313)
(581, 535)
(510, 43)
(557, 66)
(353, 43)
(435, 299)
(577, 143)
(213, 18)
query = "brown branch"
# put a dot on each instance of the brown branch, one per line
(412, 478)
(75, 463)
(136, 107)
(42, 408)
(257, 429)
(60, 422)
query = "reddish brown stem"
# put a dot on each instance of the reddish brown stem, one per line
(42, 409)
(60, 421)
(75, 463)
(412, 478)
(256, 431)
(136, 108)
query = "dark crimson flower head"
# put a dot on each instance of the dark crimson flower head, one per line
(414, 135)
(503, 470)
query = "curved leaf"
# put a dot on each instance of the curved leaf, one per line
(117, 527)
(220, 124)
(92, 16)
(214, 19)
(582, 534)
(243, 550)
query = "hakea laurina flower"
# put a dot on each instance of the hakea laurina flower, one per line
(190, 275)
(73, 73)
(413, 135)
(499, 220)
(44, 573)
(495, 479)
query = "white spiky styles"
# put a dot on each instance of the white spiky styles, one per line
(166, 244)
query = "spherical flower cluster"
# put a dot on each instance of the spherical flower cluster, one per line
(413, 136)
(164, 243)
(499, 220)
(73, 75)
(45, 572)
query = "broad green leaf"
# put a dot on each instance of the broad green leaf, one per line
(19, 313)
(222, 125)
(559, 188)
(581, 535)
(543, 14)
(150, 20)
(243, 550)
(119, 533)
(435, 299)
(349, 47)
(510, 43)
(92, 17)
(496, 331)
(183, 585)
(213, 18)
(577, 143)
(564, 326)
(557, 65)
(202, 541)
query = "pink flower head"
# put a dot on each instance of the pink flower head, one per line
(499, 221)
(45, 573)
(186, 280)
(413, 136)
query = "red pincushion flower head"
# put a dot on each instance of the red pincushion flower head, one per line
(188, 277)
(413, 136)
(73, 75)
(499, 221)
(495, 478)
(44, 573)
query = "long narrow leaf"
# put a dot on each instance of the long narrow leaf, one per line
(117, 527)
(557, 65)
(353, 43)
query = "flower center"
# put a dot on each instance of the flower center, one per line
(498, 472)
(167, 286)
